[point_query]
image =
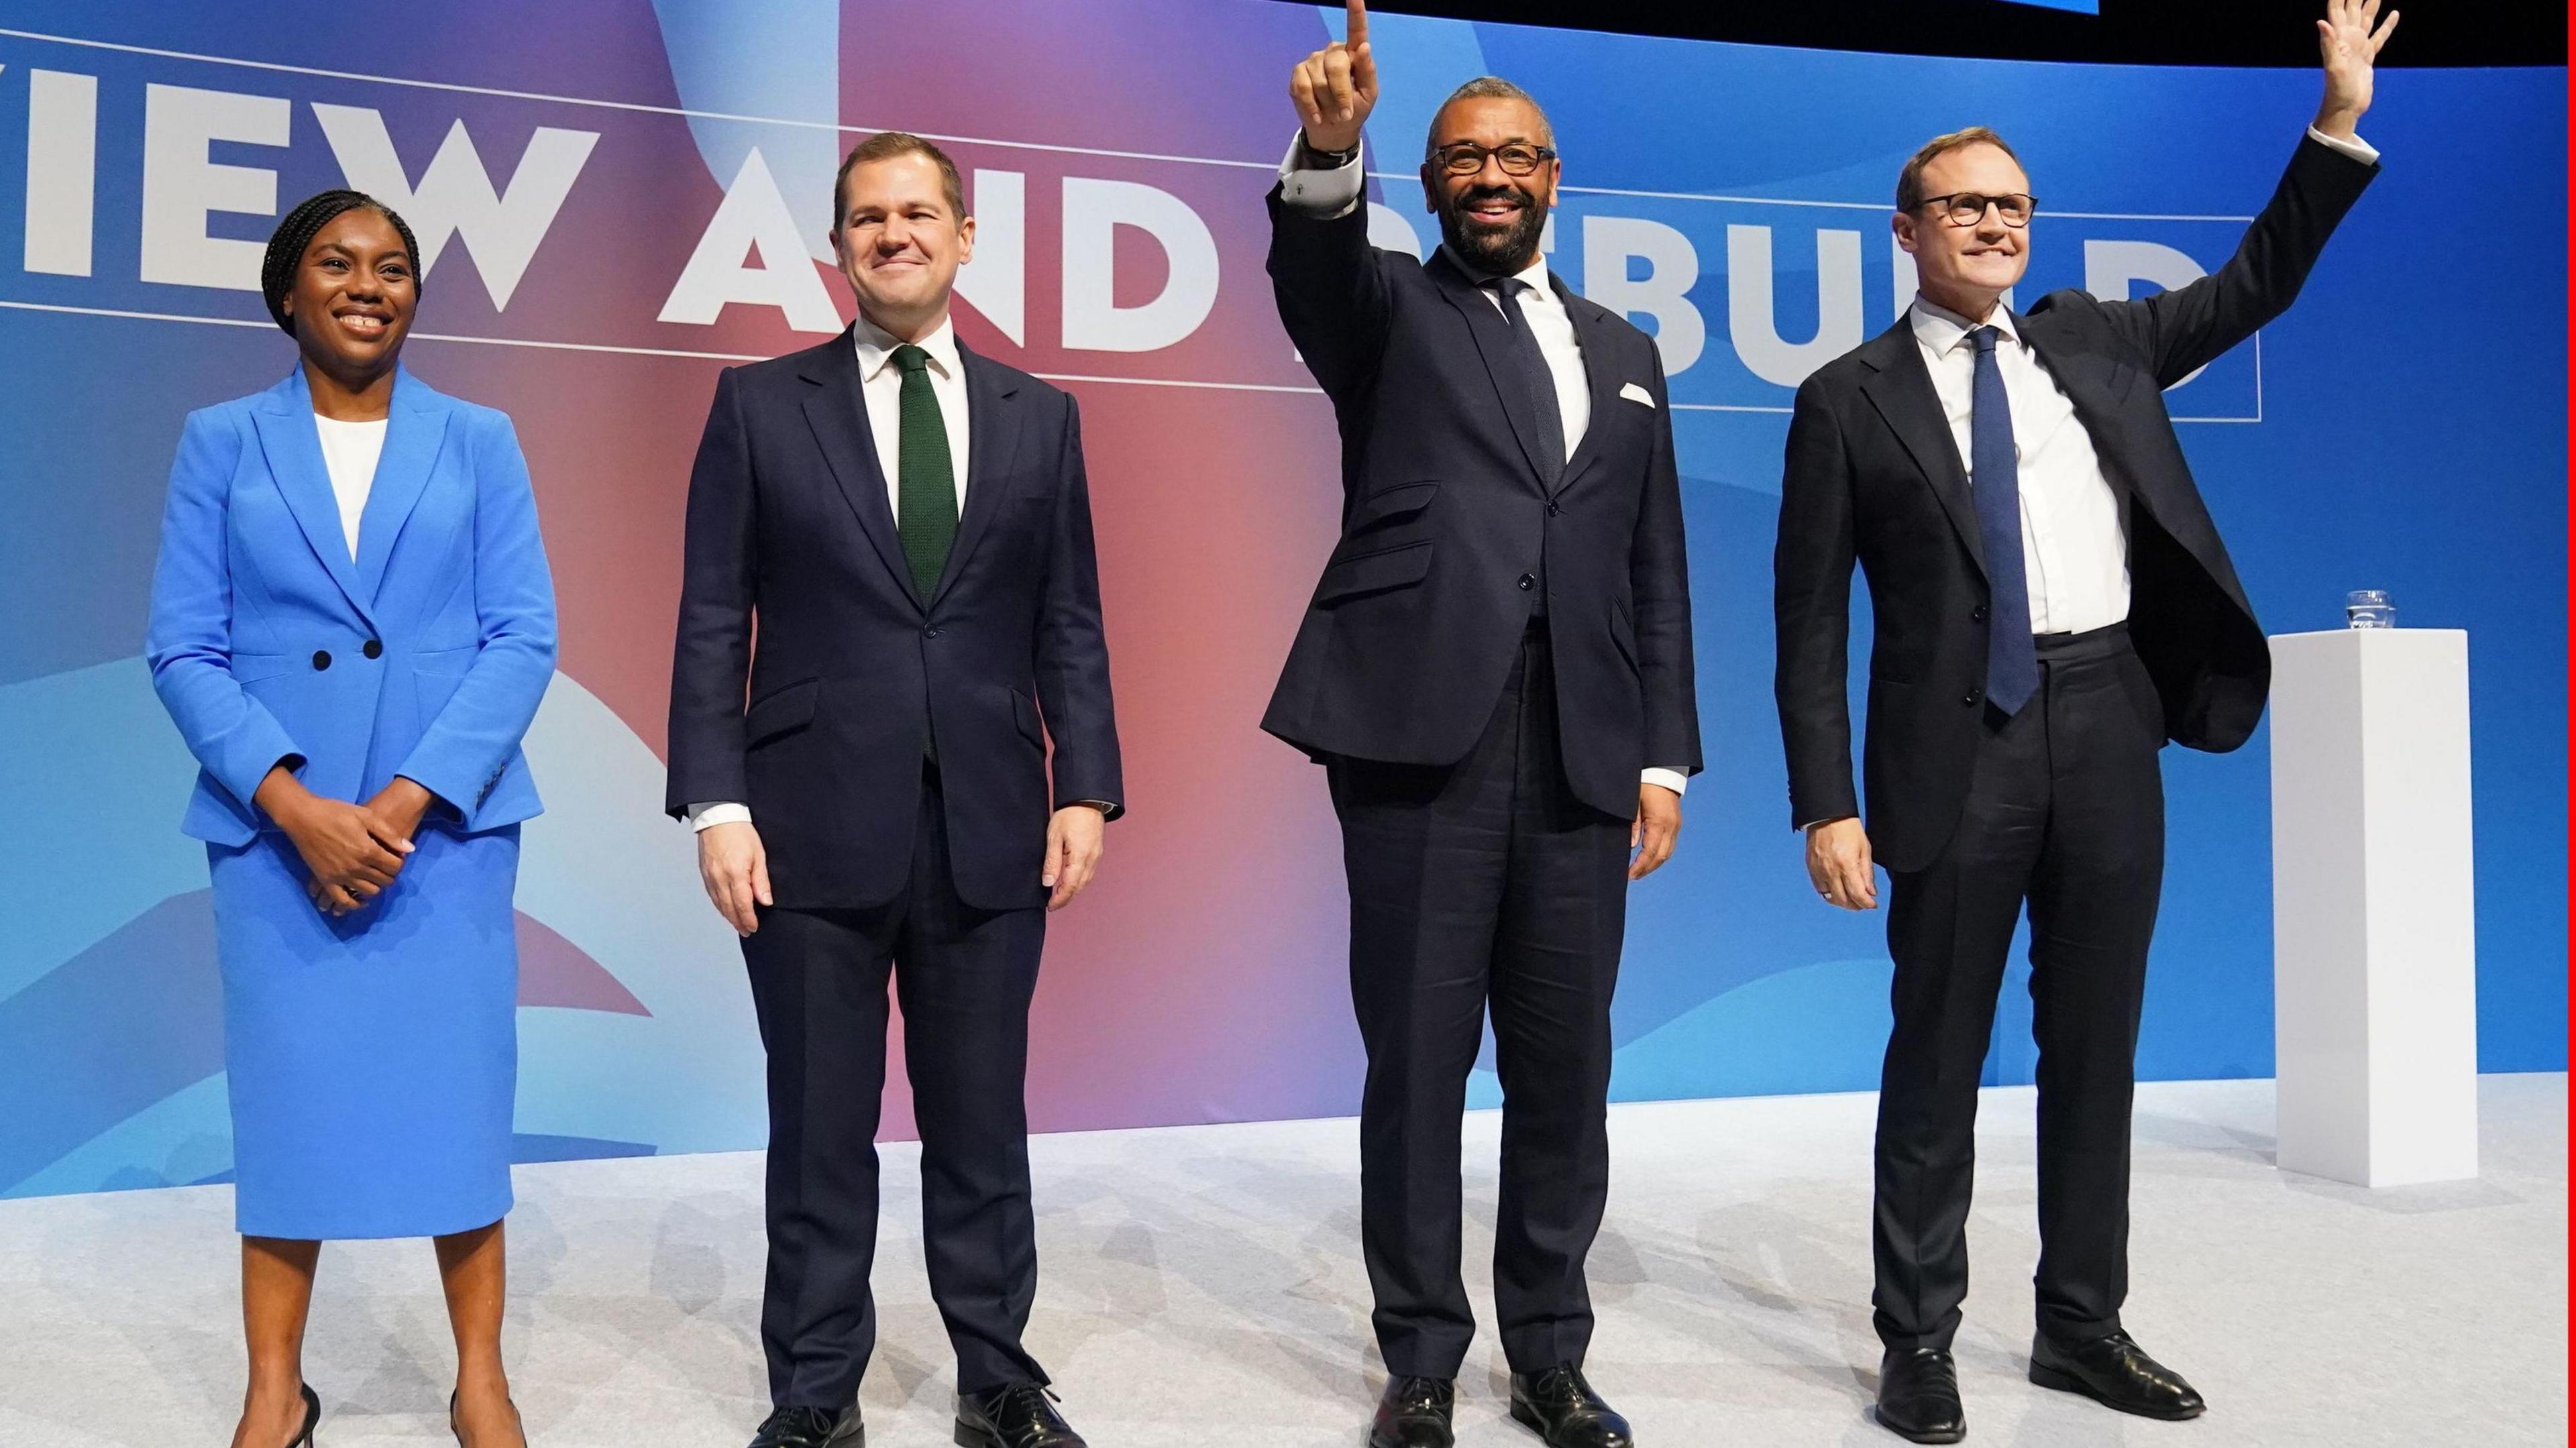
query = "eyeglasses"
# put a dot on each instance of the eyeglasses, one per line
(1967, 208)
(1466, 158)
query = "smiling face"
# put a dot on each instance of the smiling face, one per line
(1967, 268)
(1490, 218)
(900, 242)
(353, 296)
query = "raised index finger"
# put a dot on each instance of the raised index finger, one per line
(1355, 24)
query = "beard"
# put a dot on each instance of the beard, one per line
(1495, 251)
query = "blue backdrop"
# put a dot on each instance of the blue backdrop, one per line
(622, 197)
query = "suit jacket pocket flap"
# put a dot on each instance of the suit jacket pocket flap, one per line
(1372, 572)
(781, 711)
(1396, 500)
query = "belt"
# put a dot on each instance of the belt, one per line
(2108, 641)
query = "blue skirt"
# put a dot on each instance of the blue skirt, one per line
(373, 1059)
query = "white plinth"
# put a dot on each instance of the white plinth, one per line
(2373, 906)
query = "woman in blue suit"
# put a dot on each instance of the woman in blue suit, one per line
(352, 623)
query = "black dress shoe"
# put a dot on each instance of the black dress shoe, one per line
(2115, 1372)
(1022, 1415)
(812, 1428)
(1414, 1413)
(1561, 1408)
(1918, 1396)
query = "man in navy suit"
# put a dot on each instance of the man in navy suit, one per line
(1495, 670)
(2053, 603)
(910, 525)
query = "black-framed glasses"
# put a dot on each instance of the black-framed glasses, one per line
(1967, 208)
(1466, 158)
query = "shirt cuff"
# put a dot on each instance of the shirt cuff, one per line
(2357, 148)
(1672, 779)
(1101, 805)
(703, 815)
(1324, 195)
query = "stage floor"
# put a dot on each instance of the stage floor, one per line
(1202, 1267)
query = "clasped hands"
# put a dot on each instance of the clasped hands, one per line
(353, 851)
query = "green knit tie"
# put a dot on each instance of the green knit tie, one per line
(926, 492)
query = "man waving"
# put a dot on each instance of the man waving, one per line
(2052, 604)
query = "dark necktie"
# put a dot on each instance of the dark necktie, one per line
(1994, 468)
(926, 478)
(1530, 375)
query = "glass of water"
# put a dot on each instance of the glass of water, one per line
(2369, 608)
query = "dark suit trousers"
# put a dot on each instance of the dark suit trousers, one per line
(965, 977)
(1483, 884)
(2065, 810)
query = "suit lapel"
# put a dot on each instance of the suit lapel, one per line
(293, 445)
(837, 410)
(1487, 326)
(992, 442)
(414, 432)
(1593, 333)
(1900, 387)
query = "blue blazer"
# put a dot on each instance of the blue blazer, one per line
(424, 656)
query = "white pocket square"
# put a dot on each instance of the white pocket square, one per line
(1635, 393)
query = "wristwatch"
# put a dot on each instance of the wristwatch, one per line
(1326, 160)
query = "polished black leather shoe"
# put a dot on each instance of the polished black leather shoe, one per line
(2115, 1372)
(1918, 1396)
(1022, 1415)
(1414, 1413)
(1561, 1408)
(812, 1428)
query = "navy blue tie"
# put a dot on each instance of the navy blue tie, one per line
(1994, 469)
(1536, 383)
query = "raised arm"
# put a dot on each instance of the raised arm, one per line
(1332, 298)
(2183, 330)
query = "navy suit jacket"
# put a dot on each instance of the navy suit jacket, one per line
(1450, 517)
(822, 729)
(1873, 475)
(425, 656)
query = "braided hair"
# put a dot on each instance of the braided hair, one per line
(296, 232)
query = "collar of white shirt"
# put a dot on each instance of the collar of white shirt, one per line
(876, 346)
(1533, 276)
(1939, 329)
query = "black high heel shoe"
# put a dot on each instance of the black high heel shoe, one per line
(312, 1418)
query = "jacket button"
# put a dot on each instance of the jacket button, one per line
(1527, 582)
(1977, 614)
(929, 633)
(1973, 696)
(1553, 510)
(375, 649)
(321, 659)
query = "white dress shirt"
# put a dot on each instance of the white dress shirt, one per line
(1333, 192)
(2074, 525)
(349, 453)
(881, 384)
